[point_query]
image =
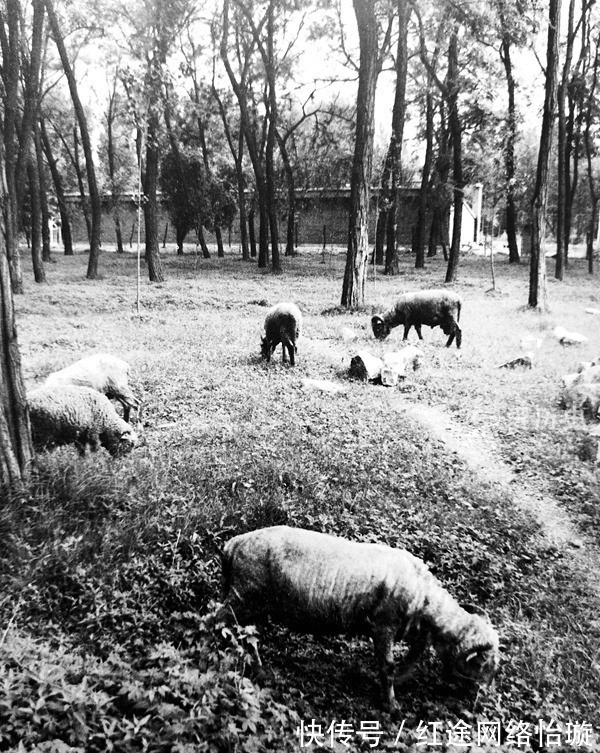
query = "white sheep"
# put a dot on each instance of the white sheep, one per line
(283, 324)
(318, 583)
(68, 414)
(435, 308)
(101, 372)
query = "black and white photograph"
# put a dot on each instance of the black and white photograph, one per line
(299, 376)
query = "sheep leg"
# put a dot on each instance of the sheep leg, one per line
(418, 328)
(414, 653)
(406, 331)
(383, 645)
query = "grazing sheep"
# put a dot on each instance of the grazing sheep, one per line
(101, 372)
(435, 308)
(322, 584)
(283, 324)
(69, 414)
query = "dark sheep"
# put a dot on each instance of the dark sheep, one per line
(283, 324)
(435, 308)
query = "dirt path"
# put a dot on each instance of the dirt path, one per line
(482, 454)
(483, 457)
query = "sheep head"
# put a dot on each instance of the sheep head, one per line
(474, 659)
(265, 348)
(120, 444)
(380, 328)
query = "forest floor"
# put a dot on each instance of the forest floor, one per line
(112, 564)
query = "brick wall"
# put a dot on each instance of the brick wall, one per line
(317, 212)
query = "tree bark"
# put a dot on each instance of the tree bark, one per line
(65, 222)
(238, 159)
(11, 78)
(457, 167)
(202, 242)
(398, 118)
(563, 166)
(538, 288)
(509, 153)
(95, 200)
(15, 434)
(420, 238)
(353, 291)
(36, 221)
(251, 143)
(252, 233)
(152, 252)
(46, 240)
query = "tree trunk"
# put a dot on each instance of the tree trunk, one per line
(202, 242)
(509, 153)
(590, 235)
(270, 176)
(31, 99)
(563, 166)
(36, 221)
(380, 235)
(180, 238)
(254, 152)
(398, 118)
(420, 238)
(152, 253)
(118, 232)
(15, 435)
(353, 291)
(96, 202)
(252, 233)
(457, 167)
(219, 239)
(85, 204)
(11, 79)
(65, 222)
(46, 240)
(291, 197)
(263, 235)
(538, 289)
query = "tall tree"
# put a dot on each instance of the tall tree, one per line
(353, 290)
(562, 150)
(95, 199)
(242, 90)
(538, 288)
(15, 435)
(393, 166)
(510, 30)
(65, 221)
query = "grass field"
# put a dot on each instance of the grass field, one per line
(111, 566)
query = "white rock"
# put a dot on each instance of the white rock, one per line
(573, 338)
(525, 361)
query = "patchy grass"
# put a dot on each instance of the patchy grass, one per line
(110, 567)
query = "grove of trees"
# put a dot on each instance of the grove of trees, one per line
(229, 106)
